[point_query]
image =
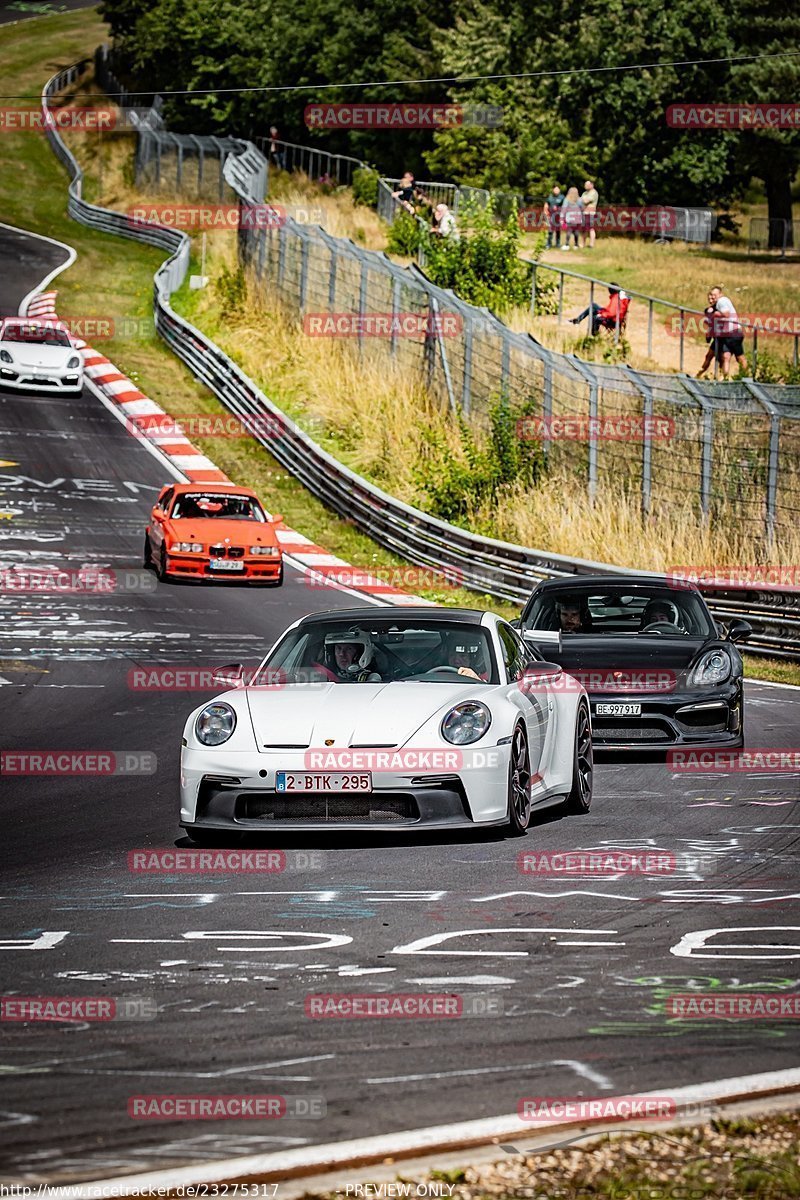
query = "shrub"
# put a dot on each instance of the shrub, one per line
(457, 482)
(483, 266)
(365, 186)
(405, 235)
(231, 289)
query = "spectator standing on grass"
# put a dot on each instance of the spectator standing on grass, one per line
(709, 326)
(589, 200)
(552, 216)
(444, 223)
(571, 217)
(727, 332)
(275, 152)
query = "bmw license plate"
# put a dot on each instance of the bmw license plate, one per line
(332, 781)
(226, 564)
(627, 709)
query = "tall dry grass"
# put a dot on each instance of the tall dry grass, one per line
(375, 417)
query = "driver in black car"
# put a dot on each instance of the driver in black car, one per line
(659, 612)
(573, 616)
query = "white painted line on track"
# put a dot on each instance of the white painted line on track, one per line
(412, 1143)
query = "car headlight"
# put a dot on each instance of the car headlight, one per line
(466, 723)
(714, 667)
(187, 547)
(73, 363)
(5, 356)
(264, 550)
(215, 724)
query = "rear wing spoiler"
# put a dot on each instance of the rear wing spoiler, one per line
(542, 637)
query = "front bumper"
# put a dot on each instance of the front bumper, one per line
(688, 718)
(255, 569)
(23, 379)
(235, 791)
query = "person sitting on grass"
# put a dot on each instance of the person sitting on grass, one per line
(609, 316)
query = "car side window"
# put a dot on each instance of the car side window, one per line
(515, 654)
(166, 499)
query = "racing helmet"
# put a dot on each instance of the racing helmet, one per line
(659, 609)
(470, 646)
(350, 637)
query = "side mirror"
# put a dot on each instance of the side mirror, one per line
(230, 676)
(540, 676)
(516, 623)
(739, 631)
(276, 518)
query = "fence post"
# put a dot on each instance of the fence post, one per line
(533, 293)
(505, 365)
(362, 302)
(282, 236)
(755, 350)
(560, 296)
(650, 329)
(547, 405)
(706, 463)
(332, 279)
(647, 448)
(395, 311)
(680, 365)
(773, 459)
(303, 274)
(466, 390)
(591, 379)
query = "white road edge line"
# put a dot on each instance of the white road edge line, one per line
(793, 687)
(72, 254)
(411, 1143)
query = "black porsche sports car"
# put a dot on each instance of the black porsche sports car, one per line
(658, 668)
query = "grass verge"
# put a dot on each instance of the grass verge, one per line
(726, 1159)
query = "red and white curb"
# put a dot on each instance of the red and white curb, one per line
(196, 467)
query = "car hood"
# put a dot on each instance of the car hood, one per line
(211, 530)
(30, 354)
(356, 714)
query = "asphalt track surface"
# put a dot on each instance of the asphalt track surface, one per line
(580, 965)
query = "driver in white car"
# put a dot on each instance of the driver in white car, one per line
(467, 657)
(350, 657)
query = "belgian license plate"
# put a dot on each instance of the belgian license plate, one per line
(618, 710)
(332, 781)
(226, 564)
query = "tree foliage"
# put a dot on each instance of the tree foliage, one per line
(578, 112)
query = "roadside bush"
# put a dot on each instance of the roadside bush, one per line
(405, 235)
(456, 483)
(365, 186)
(230, 287)
(483, 265)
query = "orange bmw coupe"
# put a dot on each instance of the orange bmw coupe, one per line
(213, 531)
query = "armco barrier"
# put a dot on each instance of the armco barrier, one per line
(485, 564)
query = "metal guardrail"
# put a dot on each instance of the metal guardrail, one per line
(312, 160)
(485, 565)
(773, 233)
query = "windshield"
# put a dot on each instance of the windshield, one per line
(204, 505)
(384, 651)
(38, 335)
(657, 611)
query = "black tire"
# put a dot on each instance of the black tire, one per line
(148, 552)
(277, 582)
(519, 785)
(580, 798)
(161, 570)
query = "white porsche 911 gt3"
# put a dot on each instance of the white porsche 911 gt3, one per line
(38, 356)
(365, 718)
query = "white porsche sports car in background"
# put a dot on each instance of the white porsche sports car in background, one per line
(383, 719)
(38, 356)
